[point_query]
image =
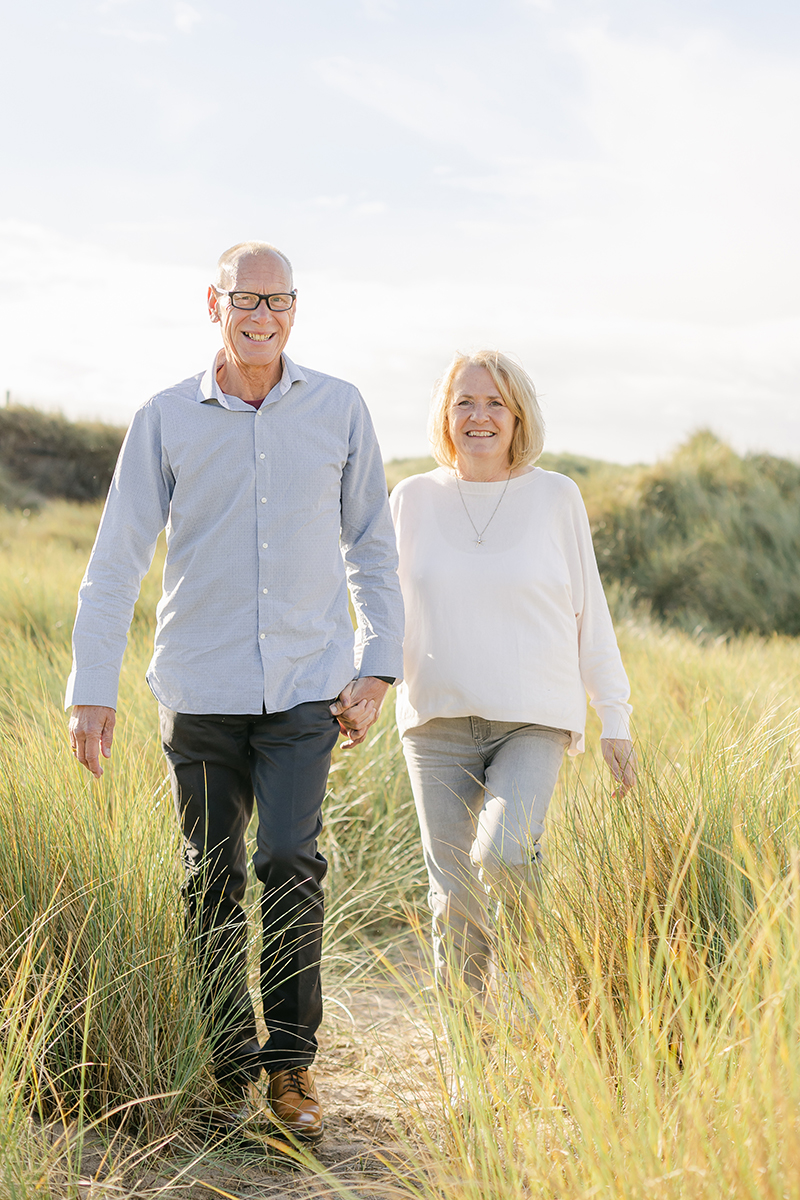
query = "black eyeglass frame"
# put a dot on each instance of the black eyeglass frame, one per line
(261, 296)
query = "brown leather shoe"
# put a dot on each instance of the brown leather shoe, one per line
(295, 1104)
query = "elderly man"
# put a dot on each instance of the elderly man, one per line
(269, 481)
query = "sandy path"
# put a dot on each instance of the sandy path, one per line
(377, 1057)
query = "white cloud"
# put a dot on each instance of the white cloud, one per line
(181, 111)
(142, 36)
(112, 338)
(451, 107)
(379, 10)
(185, 16)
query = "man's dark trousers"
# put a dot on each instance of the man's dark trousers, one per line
(218, 764)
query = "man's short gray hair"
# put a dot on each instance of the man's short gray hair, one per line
(230, 259)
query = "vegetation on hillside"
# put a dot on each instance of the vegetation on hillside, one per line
(45, 456)
(708, 539)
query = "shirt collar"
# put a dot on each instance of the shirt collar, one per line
(209, 390)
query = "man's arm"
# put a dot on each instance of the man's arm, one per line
(135, 513)
(91, 732)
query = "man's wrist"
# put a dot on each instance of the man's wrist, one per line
(390, 679)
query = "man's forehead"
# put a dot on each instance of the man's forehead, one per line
(266, 264)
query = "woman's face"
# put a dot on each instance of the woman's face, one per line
(480, 425)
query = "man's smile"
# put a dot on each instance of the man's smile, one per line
(257, 337)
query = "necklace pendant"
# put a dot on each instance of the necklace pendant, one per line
(479, 542)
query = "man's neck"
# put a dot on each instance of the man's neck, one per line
(250, 385)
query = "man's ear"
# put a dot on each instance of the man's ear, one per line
(213, 309)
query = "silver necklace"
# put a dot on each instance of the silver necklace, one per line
(480, 532)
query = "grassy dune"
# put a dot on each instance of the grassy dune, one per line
(661, 1060)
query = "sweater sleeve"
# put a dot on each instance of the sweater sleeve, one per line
(601, 668)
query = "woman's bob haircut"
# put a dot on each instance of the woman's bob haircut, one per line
(519, 396)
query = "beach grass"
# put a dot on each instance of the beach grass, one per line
(648, 1050)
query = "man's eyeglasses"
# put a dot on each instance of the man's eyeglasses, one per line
(276, 301)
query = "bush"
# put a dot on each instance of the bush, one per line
(709, 540)
(44, 455)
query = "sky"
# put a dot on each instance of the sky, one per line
(608, 191)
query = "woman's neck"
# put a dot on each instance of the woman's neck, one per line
(472, 472)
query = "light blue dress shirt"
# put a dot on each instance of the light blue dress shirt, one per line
(270, 514)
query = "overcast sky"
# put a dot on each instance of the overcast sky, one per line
(608, 190)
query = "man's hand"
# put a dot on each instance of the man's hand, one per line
(91, 731)
(358, 706)
(621, 758)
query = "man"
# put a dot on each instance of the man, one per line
(269, 481)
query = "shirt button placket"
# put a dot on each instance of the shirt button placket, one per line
(262, 521)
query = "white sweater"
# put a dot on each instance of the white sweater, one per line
(515, 629)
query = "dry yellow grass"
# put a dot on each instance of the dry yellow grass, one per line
(662, 1059)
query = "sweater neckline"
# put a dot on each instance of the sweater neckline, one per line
(476, 488)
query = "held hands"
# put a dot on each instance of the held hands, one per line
(621, 758)
(91, 732)
(357, 708)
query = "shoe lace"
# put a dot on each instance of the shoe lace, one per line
(294, 1080)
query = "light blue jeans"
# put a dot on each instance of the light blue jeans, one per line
(482, 790)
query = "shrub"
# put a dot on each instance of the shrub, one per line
(44, 455)
(709, 540)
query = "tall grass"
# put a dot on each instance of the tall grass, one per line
(651, 1052)
(97, 977)
(661, 1059)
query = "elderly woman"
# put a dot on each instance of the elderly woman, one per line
(507, 629)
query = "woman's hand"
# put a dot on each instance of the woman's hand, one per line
(621, 758)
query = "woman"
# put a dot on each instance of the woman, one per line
(507, 629)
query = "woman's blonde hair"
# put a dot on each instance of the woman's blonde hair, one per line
(518, 393)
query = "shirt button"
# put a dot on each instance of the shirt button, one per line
(262, 636)
(265, 590)
(263, 499)
(264, 545)
(262, 456)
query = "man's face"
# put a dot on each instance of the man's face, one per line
(254, 339)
